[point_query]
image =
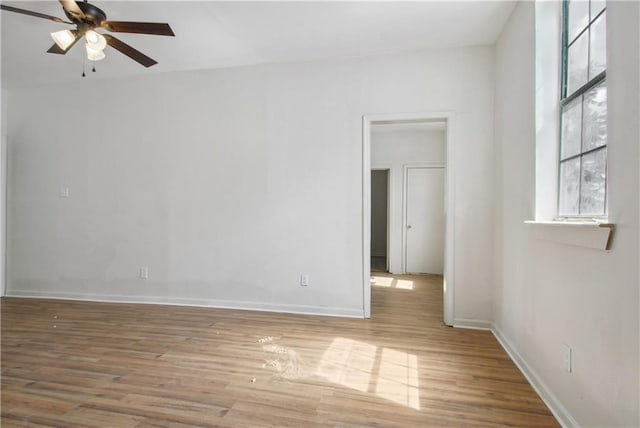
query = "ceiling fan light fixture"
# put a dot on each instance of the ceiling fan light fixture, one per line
(63, 38)
(95, 41)
(93, 54)
(87, 18)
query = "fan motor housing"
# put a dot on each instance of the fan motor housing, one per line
(92, 15)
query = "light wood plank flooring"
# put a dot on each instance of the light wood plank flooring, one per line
(120, 365)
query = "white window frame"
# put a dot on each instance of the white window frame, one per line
(581, 232)
(566, 99)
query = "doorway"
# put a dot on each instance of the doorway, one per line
(447, 172)
(380, 220)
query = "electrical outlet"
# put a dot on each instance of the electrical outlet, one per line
(64, 192)
(304, 280)
(144, 272)
(566, 357)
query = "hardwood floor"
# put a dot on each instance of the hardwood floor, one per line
(120, 365)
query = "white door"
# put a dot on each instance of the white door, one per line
(425, 220)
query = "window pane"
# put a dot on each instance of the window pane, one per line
(598, 46)
(578, 17)
(594, 173)
(596, 7)
(571, 128)
(594, 123)
(578, 61)
(569, 187)
(583, 141)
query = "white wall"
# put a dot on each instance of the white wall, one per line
(549, 294)
(3, 169)
(3, 204)
(228, 184)
(394, 149)
(379, 212)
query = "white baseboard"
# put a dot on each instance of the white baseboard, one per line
(472, 324)
(555, 406)
(206, 303)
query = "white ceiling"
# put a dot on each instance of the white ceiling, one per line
(225, 34)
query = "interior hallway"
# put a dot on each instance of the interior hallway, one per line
(100, 364)
(378, 264)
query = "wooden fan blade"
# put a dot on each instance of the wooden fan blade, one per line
(72, 9)
(129, 51)
(31, 13)
(55, 49)
(156, 28)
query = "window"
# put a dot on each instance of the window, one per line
(583, 106)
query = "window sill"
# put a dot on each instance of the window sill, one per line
(587, 233)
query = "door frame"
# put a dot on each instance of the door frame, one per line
(388, 169)
(405, 200)
(449, 262)
(3, 214)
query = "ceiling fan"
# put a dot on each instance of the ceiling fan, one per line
(87, 18)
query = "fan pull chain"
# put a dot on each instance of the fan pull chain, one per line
(83, 62)
(94, 67)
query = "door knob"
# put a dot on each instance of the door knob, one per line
(408, 226)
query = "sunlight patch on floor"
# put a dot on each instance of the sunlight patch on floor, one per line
(385, 281)
(397, 378)
(348, 362)
(382, 281)
(404, 284)
(390, 374)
